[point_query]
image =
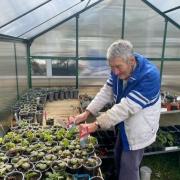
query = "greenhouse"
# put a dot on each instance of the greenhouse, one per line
(90, 89)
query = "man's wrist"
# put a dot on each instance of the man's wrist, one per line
(97, 125)
(87, 112)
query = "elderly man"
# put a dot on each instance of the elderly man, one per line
(134, 86)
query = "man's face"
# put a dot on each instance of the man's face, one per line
(121, 68)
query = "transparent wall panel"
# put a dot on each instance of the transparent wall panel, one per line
(93, 72)
(8, 89)
(157, 63)
(22, 68)
(144, 28)
(171, 75)
(63, 68)
(38, 67)
(57, 42)
(99, 27)
(55, 81)
(172, 49)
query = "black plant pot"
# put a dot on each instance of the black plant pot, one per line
(15, 175)
(39, 117)
(61, 95)
(56, 95)
(35, 175)
(50, 122)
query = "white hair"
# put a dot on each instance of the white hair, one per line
(120, 48)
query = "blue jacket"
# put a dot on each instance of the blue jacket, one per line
(137, 89)
(137, 106)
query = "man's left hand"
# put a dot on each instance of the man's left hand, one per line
(92, 127)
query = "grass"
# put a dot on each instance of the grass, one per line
(164, 166)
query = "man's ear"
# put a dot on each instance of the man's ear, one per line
(132, 60)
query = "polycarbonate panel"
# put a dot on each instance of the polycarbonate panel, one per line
(60, 41)
(11, 9)
(64, 68)
(164, 5)
(59, 17)
(172, 48)
(8, 91)
(157, 63)
(38, 67)
(93, 72)
(175, 15)
(22, 68)
(93, 68)
(99, 27)
(43, 18)
(171, 75)
(144, 28)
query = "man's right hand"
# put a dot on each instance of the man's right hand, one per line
(79, 118)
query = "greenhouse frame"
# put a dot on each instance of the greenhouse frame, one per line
(57, 43)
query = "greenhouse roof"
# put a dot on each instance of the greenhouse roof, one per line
(28, 19)
(170, 9)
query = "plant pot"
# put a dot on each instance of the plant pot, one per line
(12, 153)
(25, 167)
(58, 176)
(71, 93)
(75, 93)
(16, 159)
(6, 168)
(33, 175)
(29, 120)
(91, 165)
(61, 95)
(50, 157)
(42, 166)
(56, 95)
(59, 166)
(39, 117)
(3, 158)
(36, 156)
(51, 96)
(50, 122)
(65, 154)
(74, 166)
(15, 175)
(66, 94)
(51, 143)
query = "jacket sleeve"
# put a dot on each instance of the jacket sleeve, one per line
(145, 94)
(119, 112)
(104, 96)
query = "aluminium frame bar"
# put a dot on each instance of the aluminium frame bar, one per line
(77, 51)
(163, 48)
(4, 37)
(94, 58)
(16, 70)
(172, 9)
(123, 19)
(29, 65)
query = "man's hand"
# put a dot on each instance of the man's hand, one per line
(92, 127)
(81, 117)
(78, 118)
